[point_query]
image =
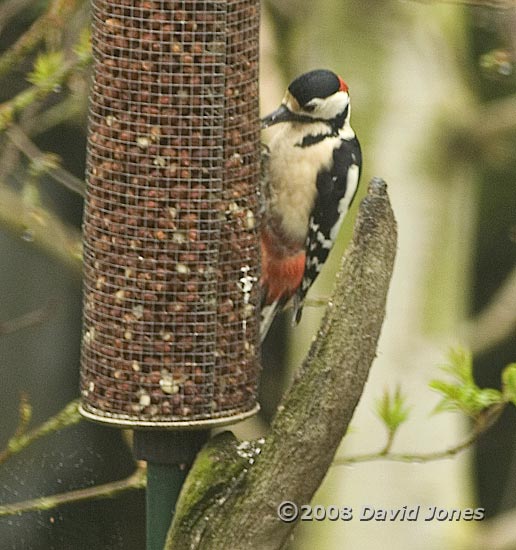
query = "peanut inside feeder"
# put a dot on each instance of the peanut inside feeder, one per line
(171, 250)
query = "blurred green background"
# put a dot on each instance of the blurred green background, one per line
(433, 88)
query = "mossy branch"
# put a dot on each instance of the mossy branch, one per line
(240, 511)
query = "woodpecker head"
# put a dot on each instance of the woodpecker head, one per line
(316, 96)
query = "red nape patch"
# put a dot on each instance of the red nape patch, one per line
(343, 86)
(281, 276)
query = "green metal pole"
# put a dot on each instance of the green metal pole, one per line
(169, 456)
(164, 481)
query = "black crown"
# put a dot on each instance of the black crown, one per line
(319, 83)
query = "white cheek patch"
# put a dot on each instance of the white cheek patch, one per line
(330, 107)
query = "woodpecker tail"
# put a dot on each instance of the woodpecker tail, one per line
(299, 302)
(269, 312)
(267, 316)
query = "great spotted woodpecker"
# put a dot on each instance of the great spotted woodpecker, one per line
(310, 174)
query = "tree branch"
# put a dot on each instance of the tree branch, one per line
(41, 228)
(482, 425)
(29, 319)
(55, 17)
(22, 439)
(240, 511)
(111, 489)
(25, 145)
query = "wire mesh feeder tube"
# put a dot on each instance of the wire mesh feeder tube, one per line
(171, 247)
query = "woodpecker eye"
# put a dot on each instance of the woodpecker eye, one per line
(309, 108)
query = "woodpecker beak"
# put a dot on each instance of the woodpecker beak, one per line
(281, 114)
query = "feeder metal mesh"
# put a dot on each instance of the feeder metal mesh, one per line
(171, 247)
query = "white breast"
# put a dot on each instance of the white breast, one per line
(293, 174)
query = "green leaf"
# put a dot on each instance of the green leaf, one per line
(450, 395)
(47, 71)
(462, 393)
(460, 365)
(392, 409)
(509, 383)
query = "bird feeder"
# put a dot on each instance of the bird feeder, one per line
(171, 249)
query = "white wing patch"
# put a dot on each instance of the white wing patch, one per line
(325, 243)
(351, 188)
(319, 237)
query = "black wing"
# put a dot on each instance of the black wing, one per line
(336, 192)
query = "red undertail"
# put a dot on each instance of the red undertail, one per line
(281, 274)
